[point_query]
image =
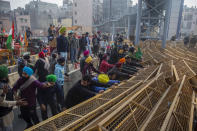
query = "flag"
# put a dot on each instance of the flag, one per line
(13, 30)
(20, 40)
(9, 40)
(3, 30)
(26, 41)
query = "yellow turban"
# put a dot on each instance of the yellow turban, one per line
(62, 30)
(121, 51)
(88, 60)
(103, 78)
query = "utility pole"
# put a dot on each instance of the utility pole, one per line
(179, 20)
(138, 22)
(167, 22)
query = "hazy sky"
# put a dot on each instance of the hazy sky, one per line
(21, 3)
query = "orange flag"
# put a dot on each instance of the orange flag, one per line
(26, 41)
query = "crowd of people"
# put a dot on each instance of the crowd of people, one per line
(43, 83)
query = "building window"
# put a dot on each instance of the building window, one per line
(75, 4)
(22, 28)
(75, 21)
(25, 20)
(188, 17)
(21, 19)
(189, 25)
(75, 13)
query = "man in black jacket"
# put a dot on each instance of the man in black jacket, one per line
(62, 45)
(79, 92)
(42, 67)
(82, 91)
(82, 45)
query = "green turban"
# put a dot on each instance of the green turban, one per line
(3, 72)
(62, 30)
(51, 78)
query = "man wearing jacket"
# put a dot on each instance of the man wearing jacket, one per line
(62, 44)
(74, 45)
(47, 97)
(42, 67)
(81, 91)
(6, 101)
(82, 45)
(59, 72)
(26, 85)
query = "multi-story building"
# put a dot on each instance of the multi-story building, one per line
(5, 6)
(83, 14)
(87, 13)
(97, 12)
(189, 21)
(22, 20)
(5, 22)
(68, 8)
(5, 16)
(114, 8)
(41, 15)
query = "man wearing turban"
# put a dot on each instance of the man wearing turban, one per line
(62, 44)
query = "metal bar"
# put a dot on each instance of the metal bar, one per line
(138, 22)
(192, 113)
(154, 8)
(154, 110)
(128, 101)
(166, 23)
(165, 123)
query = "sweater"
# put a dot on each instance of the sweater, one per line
(47, 95)
(39, 68)
(105, 66)
(88, 69)
(28, 94)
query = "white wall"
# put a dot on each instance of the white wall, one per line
(84, 14)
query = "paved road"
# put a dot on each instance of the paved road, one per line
(19, 124)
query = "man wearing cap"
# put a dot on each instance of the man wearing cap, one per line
(47, 97)
(89, 67)
(22, 62)
(42, 67)
(26, 86)
(62, 44)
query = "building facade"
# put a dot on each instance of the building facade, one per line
(5, 22)
(41, 15)
(83, 14)
(189, 21)
(5, 16)
(5, 6)
(114, 8)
